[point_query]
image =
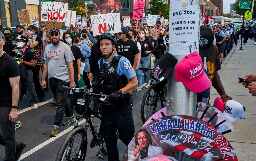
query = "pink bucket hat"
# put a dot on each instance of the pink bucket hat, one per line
(190, 71)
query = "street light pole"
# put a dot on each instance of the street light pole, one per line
(243, 30)
(183, 101)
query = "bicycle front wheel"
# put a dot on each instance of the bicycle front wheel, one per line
(149, 104)
(74, 147)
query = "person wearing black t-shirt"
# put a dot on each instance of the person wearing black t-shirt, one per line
(128, 49)
(9, 97)
(147, 47)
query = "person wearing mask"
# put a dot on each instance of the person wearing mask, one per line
(59, 68)
(128, 48)
(86, 53)
(76, 52)
(9, 97)
(29, 63)
(117, 79)
(19, 30)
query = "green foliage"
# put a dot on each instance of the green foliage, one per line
(78, 6)
(159, 7)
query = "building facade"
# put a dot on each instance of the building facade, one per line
(219, 4)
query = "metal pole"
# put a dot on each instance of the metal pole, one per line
(183, 100)
(243, 29)
(252, 6)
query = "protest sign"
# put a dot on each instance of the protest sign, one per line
(126, 21)
(53, 11)
(184, 26)
(103, 23)
(70, 18)
(151, 19)
(138, 9)
(190, 136)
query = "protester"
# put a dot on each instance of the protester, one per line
(116, 78)
(9, 97)
(60, 71)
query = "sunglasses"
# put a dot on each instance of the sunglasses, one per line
(54, 33)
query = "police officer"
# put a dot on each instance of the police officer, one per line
(116, 78)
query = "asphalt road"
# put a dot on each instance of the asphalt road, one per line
(36, 127)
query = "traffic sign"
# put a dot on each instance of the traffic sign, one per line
(245, 4)
(248, 15)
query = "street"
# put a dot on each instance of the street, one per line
(36, 123)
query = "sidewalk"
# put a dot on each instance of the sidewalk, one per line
(240, 63)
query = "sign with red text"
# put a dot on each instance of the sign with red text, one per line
(138, 9)
(192, 137)
(106, 23)
(54, 11)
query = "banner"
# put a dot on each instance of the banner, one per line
(53, 11)
(138, 9)
(151, 19)
(184, 26)
(106, 23)
(177, 134)
(126, 21)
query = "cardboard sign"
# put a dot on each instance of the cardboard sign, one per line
(193, 138)
(184, 26)
(54, 11)
(106, 23)
(24, 17)
(151, 19)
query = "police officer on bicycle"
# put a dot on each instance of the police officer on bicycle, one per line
(116, 78)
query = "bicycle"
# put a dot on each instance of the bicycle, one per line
(76, 142)
(154, 98)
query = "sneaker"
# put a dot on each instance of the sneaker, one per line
(55, 131)
(35, 106)
(19, 148)
(18, 124)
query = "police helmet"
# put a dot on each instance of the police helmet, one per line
(107, 36)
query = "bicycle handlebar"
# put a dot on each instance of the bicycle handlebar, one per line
(102, 97)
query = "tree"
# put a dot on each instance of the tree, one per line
(159, 7)
(78, 6)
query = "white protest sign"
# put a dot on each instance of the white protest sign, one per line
(68, 18)
(151, 19)
(103, 23)
(78, 20)
(53, 11)
(126, 21)
(73, 18)
(184, 26)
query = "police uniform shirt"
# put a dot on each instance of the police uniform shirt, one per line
(124, 67)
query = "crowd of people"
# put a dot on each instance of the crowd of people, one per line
(34, 61)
